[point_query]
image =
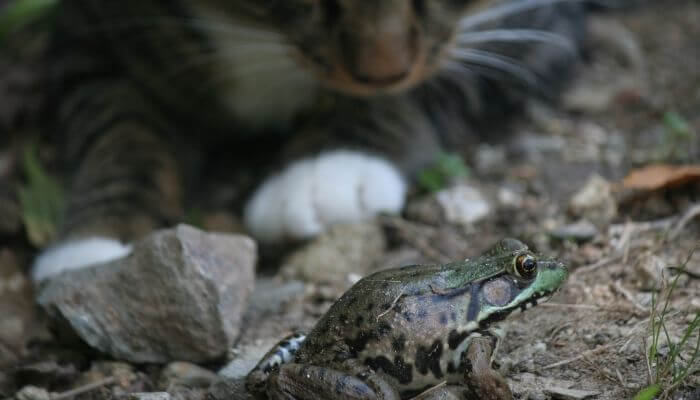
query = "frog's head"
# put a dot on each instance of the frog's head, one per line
(524, 279)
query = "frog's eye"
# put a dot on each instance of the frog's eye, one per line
(526, 266)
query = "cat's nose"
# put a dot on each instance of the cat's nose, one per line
(381, 60)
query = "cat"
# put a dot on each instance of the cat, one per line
(370, 92)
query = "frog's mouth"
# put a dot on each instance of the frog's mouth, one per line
(539, 298)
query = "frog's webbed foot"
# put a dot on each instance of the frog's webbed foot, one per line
(302, 382)
(481, 381)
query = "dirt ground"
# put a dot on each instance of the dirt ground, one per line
(636, 102)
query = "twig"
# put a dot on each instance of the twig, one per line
(646, 358)
(84, 389)
(579, 357)
(624, 244)
(566, 305)
(690, 274)
(626, 294)
(619, 376)
(631, 335)
(600, 263)
(558, 329)
(617, 255)
(639, 227)
(688, 215)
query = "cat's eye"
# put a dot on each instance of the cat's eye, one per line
(526, 266)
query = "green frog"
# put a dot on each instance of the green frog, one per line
(421, 332)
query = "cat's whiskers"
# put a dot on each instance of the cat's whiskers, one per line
(506, 9)
(459, 75)
(515, 36)
(487, 62)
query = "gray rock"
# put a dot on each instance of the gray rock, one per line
(32, 393)
(179, 295)
(246, 358)
(229, 389)
(336, 256)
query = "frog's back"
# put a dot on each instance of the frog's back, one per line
(376, 322)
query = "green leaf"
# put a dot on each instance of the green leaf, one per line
(678, 126)
(447, 168)
(677, 138)
(648, 392)
(41, 200)
(20, 13)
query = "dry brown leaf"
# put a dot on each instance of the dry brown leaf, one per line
(660, 176)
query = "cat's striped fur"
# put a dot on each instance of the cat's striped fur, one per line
(142, 87)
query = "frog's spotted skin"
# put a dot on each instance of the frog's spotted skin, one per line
(282, 353)
(413, 325)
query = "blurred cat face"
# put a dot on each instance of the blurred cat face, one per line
(363, 47)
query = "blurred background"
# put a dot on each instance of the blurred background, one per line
(607, 178)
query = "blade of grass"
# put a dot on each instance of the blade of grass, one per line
(41, 200)
(648, 392)
(671, 370)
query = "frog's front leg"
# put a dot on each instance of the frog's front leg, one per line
(481, 381)
(307, 382)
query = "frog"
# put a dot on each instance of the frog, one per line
(424, 332)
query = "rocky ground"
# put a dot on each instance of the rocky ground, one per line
(577, 182)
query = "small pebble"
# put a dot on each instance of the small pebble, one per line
(536, 395)
(32, 393)
(508, 197)
(594, 201)
(463, 204)
(490, 159)
(540, 346)
(580, 231)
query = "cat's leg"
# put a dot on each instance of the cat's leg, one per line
(125, 184)
(366, 158)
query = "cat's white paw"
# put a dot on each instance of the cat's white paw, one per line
(312, 194)
(77, 254)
